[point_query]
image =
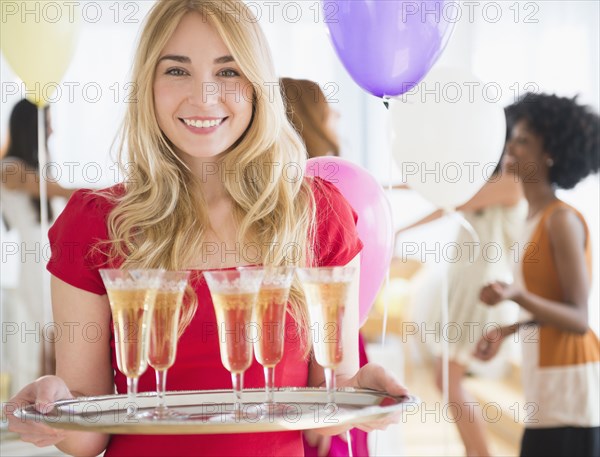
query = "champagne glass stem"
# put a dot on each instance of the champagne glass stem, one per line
(237, 380)
(161, 388)
(132, 387)
(269, 383)
(330, 383)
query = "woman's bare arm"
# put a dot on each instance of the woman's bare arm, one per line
(502, 190)
(16, 176)
(83, 355)
(567, 236)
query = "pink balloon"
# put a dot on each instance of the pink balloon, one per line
(374, 226)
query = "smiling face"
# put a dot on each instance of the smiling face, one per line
(525, 154)
(203, 103)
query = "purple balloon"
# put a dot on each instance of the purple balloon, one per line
(388, 46)
(374, 226)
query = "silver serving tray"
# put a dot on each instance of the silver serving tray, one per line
(210, 411)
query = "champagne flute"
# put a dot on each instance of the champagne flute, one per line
(164, 336)
(269, 314)
(131, 294)
(326, 290)
(234, 294)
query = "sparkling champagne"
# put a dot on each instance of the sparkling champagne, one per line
(131, 313)
(233, 311)
(326, 306)
(163, 330)
(270, 317)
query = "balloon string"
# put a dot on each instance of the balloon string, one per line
(42, 160)
(445, 356)
(457, 216)
(386, 295)
(385, 307)
(47, 351)
(387, 276)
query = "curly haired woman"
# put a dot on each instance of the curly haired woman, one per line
(554, 144)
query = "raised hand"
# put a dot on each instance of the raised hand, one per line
(496, 292)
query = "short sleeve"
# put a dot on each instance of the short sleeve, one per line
(74, 238)
(336, 241)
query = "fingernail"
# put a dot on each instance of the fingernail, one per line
(43, 408)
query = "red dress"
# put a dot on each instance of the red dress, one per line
(198, 364)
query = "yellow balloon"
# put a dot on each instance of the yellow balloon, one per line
(38, 39)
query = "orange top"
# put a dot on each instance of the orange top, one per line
(557, 347)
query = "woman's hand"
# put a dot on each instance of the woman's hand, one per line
(376, 377)
(489, 344)
(497, 292)
(40, 393)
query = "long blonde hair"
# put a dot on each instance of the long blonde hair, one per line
(160, 218)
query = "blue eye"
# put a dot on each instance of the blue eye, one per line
(175, 72)
(229, 73)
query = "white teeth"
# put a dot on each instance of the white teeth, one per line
(203, 124)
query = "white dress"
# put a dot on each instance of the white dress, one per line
(498, 228)
(23, 310)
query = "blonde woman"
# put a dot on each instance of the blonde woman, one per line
(211, 189)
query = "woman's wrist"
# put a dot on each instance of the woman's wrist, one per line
(519, 296)
(510, 329)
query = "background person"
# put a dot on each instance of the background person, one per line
(496, 214)
(314, 119)
(554, 144)
(21, 211)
